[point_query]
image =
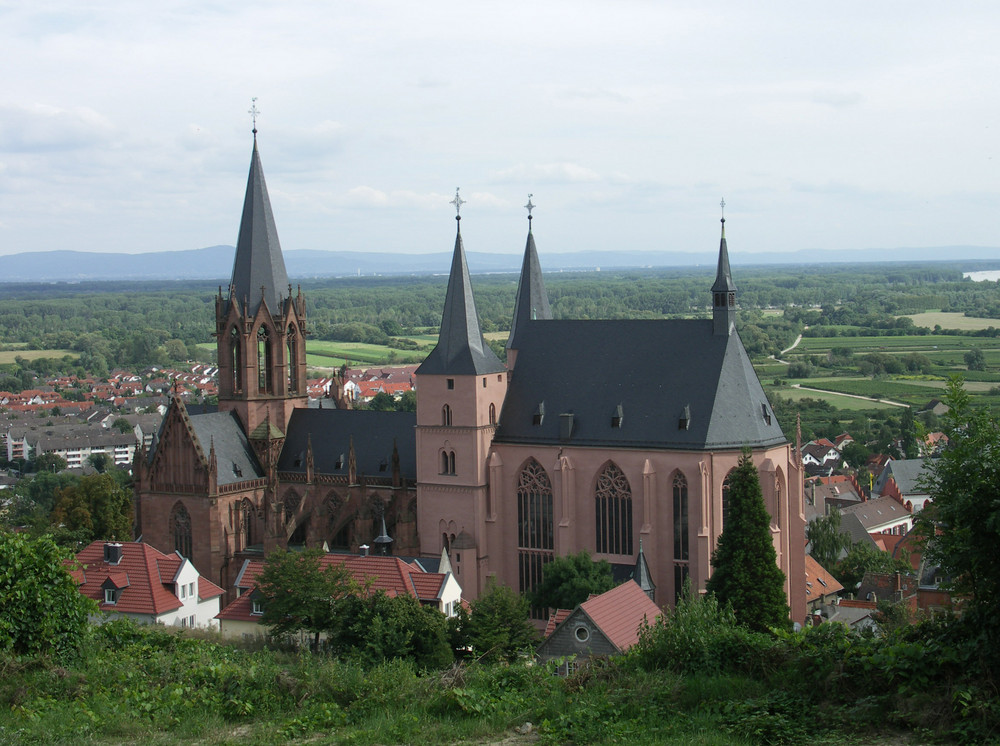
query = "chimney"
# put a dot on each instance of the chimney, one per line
(112, 553)
(364, 550)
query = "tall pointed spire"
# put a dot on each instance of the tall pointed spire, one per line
(259, 268)
(724, 289)
(531, 301)
(461, 348)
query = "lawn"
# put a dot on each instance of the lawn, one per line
(909, 343)
(840, 401)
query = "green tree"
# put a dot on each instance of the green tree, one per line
(745, 572)
(41, 610)
(374, 628)
(100, 461)
(98, 506)
(122, 425)
(51, 462)
(302, 593)
(570, 580)
(176, 350)
(35, 497)
(496, 626)
(382, 402)
(975, 359)
(407, 402)
(866, 557)
(964, 517)
(826, 539)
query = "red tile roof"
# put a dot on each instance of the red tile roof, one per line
(555, 619)
(819, 582)
(620, 612)
(145, 576)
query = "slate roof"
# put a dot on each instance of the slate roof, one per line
(656, 370)
(145, 577)
(531, 301)
(851, 525)
(620, 612)
(876, 512)
(906, 473)
(723, 276)
(331, 431)
(461, 348)
(259, 262)
(233, 454)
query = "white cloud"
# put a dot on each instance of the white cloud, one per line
(547, 173)
(40, 128)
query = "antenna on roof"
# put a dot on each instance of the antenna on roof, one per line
(253, 112)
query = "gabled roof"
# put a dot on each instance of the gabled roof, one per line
(145, 578)
(461, 348)
(906, 473)
(233, 454)
(374, 434)
(657, 371)
(876, 512)
(391, 575)
(259, 262)
(620, 612)
(531, 301)
(819, 582)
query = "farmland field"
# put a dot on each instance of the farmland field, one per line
(847, 403)
(930, 319)
(910, 343)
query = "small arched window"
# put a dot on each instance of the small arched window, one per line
(264, 381)
(446, 415)
(493, 414)
(451, 462)
(235, 359)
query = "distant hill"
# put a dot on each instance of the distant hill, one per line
(216, 262)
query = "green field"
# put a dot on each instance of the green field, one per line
(841, 402)
(902, 344)
(7, 356)
(930, 319)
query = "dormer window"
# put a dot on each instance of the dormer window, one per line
(539, 416)
(617, 417)
(256, 606)
(340, 462)
(765, 413)
(110, 595)
(684, 420)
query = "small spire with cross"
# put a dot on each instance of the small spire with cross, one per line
(458, 202)
(529, 207)
(253, 112)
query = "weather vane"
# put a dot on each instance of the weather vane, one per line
(253, 112)
(458, 202)
(529, 207)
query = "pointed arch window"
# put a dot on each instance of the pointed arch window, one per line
(264, 361)
(681, 534)
(448, 462)
(493, 414)
(236, 360)
(246, 523)
(614, 511)
(293, 378)
(446, 415)
(535, 527)
(180, 530)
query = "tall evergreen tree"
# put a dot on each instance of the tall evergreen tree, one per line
(745, 568)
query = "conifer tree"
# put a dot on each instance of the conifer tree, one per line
(745, 569)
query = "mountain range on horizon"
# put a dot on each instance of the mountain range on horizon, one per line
(216, 262)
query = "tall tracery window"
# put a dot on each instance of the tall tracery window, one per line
(180, 529)
(293, 378)
(681, 534)
(535, 529)
(236, 359)
(246, 523)
(614, 512)
(264, 381)
(725, 499)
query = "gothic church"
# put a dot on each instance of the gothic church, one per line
(612, 436)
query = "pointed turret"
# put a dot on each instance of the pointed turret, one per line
(642, 575)
(461, 348)
(259, 262)
(531, 301)
(724, 290)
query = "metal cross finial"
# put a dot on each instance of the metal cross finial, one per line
(722, 204)
(529, 207)
(458, 202)
(253, 112)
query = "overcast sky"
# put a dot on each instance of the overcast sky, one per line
(124, 125)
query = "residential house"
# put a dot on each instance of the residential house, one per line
(607, 624)
(902, 481)
(392, 575)
(882, 515)
(821, 587)
(137, 581)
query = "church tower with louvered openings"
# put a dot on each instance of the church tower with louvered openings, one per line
(460, 389)
(260, 326)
